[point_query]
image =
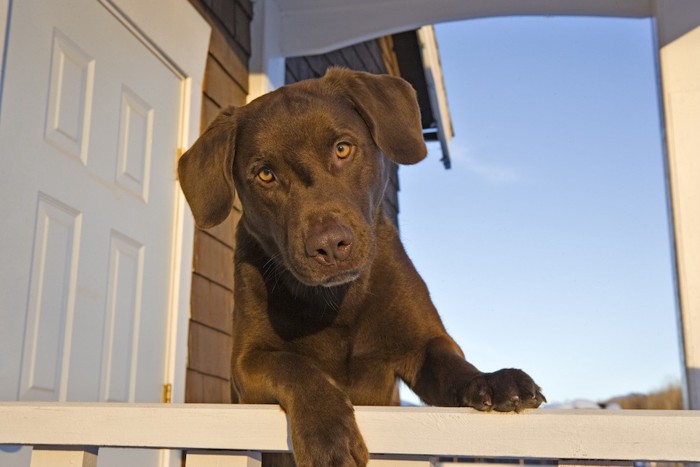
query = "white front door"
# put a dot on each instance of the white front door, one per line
(90, 125)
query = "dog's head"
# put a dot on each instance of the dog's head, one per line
(307, 162)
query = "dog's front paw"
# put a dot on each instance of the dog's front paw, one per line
(326, 440)
(504, 391)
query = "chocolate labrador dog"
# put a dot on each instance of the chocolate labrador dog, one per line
(329, 311)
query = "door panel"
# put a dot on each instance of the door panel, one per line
(51, 301)
(70, 97)
(123, 315)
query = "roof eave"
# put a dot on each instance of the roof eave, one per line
(436, 89)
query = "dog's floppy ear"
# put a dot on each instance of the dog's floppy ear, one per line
(205, 171)
(389, 107)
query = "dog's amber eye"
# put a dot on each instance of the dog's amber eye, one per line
(343, 149)
(266, 175)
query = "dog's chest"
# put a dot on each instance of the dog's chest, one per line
(347, 343)
(343, 352)
(332, 348)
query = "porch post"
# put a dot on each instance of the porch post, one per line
(266, 60)
(679, 49)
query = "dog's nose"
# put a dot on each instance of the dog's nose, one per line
(329, 242)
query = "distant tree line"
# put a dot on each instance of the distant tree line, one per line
(668, 398)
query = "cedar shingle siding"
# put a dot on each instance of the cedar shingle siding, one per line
(225, 83)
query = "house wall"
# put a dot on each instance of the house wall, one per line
(375, 56)
(225, 83)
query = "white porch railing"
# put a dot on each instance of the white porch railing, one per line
(228, 435)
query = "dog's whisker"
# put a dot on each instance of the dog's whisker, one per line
(333, 301)
(272, 265)
(272, 262)
(273, 270)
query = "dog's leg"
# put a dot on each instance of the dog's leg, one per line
(277, 459)
(445, 378)
(321, 417)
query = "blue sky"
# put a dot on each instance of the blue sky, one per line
(547, 245)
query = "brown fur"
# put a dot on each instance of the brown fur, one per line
(329, 311)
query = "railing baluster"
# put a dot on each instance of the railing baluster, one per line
(64, 456)
(222, 459)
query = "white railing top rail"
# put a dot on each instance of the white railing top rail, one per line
(427, 431)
